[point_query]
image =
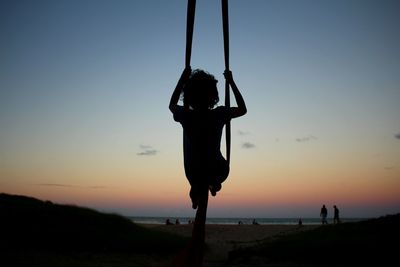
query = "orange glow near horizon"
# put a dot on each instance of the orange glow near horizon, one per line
(237, 194)
(254, 184)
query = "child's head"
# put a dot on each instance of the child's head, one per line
(200, 92)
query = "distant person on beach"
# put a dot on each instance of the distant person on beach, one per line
(177, 222)
(300, 222)
(324, 214)
(205, 167)
(335, 215)
(168, 222)
(255, 222)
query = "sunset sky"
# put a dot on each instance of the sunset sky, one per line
(85, 87)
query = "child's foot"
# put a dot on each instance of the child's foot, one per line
(194, 197)
(194, 204)
(214, 189)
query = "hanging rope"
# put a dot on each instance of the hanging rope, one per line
(225, 25)
(191, 10)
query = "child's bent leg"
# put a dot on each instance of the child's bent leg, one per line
(221, 172)
(194, 189)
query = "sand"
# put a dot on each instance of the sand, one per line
(221, 239)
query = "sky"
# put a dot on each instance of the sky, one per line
(85, 87)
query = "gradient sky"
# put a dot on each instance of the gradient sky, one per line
(85, 87)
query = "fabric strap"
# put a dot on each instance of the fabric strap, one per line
(225, 25)
(191, 10)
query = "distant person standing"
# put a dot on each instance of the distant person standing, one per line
(336, 215)
(324, 214)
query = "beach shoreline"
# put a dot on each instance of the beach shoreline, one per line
(238, 220)
(220, 239)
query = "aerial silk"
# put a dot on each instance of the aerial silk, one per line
(193, 255)
(225, 25)
(191, 10)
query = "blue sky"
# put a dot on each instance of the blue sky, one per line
(84, 89)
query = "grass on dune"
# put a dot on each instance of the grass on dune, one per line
(363, 243)
(30, 224)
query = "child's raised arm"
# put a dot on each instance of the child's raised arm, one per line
(241, 109)
(173, 103)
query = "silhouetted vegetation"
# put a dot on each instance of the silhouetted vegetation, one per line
(367, 243)
(30, 224)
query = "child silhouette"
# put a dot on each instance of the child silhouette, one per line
(202, 128)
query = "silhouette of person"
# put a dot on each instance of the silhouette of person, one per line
(202, 128)
(300, 222)
(255, 222)
(336, 215)
(177, 222)
(324, 214)
(168, 222)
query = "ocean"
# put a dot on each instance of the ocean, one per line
(235, 221)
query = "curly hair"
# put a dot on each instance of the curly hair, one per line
(200, 92)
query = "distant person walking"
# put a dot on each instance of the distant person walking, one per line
(336, 215)
(324, 214)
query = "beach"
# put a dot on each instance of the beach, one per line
(63, 235)
(222, 239)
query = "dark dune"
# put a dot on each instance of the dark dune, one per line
(31, 223)
(40, 233)
(367, 243)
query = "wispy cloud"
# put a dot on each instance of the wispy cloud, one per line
(72, 186)
(242, 133)
(147, 150)
(57, 185)
(248, 145)
(397, 136)
(306, 139)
